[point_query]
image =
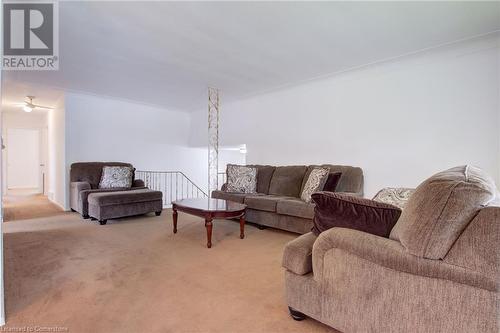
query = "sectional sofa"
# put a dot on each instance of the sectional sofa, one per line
(277, 202)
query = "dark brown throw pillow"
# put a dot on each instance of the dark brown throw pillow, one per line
(332, 181)
(346, 211)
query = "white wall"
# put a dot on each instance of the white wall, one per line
(58, 178)
(400, 121)
(230, 156)
(19, 119)
(103, 129)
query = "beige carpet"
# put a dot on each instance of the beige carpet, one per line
(135, 275)
(21, 206)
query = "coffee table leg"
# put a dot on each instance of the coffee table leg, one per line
(208, 225)
(174, 216)
(242, 226)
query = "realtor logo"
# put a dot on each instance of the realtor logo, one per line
(30, 36)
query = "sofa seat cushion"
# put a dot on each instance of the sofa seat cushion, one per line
(297, 256)
(236, 197)
(287, 180)
(441, 208)
(295, 207)
(263, 202)
(124, 197)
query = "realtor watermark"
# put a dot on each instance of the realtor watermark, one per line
(30, 35)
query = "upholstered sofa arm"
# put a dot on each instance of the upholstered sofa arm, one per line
(138, 183)
(477, 247)
(297, 256)
(79, 186)
(74, 194)
(336, 243)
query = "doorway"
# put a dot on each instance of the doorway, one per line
(25, 157)
(23, 161)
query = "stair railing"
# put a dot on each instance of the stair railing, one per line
(175, 185)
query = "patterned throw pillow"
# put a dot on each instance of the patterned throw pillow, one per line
(396, 196)
(315, 182)
(116, 177)
(241, 179)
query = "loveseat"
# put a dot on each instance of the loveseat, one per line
(439, 271)
(277, 202)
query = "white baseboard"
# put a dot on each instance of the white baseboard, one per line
(56, 203)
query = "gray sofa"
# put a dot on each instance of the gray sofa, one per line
(89, 200)
(277, 202)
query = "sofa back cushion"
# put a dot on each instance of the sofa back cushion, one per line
(91, 172)
(440, 209)
(264, 176)
(351, 179)
(287, 180)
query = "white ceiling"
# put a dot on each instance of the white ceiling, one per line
(167, 53)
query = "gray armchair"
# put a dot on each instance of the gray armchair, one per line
(438, 272)
(84, 180)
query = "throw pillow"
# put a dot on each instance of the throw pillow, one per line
(315, 182)
(116, 177)
(346, 211)
(241, 179)
(396, 196)
(332, 181)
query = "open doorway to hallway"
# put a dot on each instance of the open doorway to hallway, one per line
(25, 155)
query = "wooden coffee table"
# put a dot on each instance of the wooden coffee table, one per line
(210, 209)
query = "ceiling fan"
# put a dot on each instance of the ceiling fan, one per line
(29, 106)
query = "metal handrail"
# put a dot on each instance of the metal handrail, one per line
(175, 185)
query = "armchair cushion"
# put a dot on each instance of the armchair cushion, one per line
(297, 256)
(91, 172)
(440, 209)
(339, 210)
(389, 254)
